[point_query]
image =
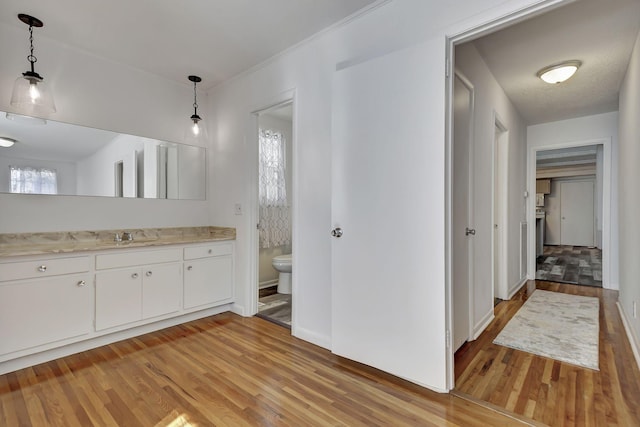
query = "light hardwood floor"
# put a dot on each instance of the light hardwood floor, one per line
(549, 391)
(223, 370)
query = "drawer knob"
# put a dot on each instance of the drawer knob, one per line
(210, 251)
(149, 273)
(42, 268)
(190, 268)
(81, 283)
(134, 275)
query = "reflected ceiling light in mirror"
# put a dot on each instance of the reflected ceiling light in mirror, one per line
(559, 73)
(25, 120)
(6, 142)
(196, 133)
(30, 94)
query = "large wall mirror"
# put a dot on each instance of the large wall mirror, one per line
(50, 157)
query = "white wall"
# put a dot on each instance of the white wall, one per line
(587, 128)
(95, 92)
(66, 172)
(308, 71)
(98, 170)
(489, 100)
(629, 177)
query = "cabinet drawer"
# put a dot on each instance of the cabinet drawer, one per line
(217, 249)
(43, 268)
(130, 259)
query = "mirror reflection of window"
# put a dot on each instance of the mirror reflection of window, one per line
(33, 180)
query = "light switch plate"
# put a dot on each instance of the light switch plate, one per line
(238, 209)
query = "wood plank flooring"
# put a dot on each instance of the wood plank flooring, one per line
(223, 370)
(549, 391)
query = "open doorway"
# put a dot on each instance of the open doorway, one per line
(569, 215)
(499, 65)
(275, 177)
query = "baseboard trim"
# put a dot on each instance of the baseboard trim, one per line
(323, 341)
(482, 324)
(517, 288)
(267, 284)
(633, 340)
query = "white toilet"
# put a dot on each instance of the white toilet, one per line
(282, 263)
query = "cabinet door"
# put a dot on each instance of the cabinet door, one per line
(118, 297)
(43, 311)
(161, 290)
(208, 281)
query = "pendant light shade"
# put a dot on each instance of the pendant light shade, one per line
(30, 94)
(196, 131)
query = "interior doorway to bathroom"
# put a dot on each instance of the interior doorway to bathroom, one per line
(275, 178)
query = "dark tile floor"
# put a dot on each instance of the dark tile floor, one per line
(275, 307)
(577, 265)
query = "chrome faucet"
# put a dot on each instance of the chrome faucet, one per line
(128, 236)
(117, 238)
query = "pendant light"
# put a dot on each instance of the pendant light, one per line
(30, 94)
(195, 133)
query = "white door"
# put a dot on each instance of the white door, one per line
(385, 203)
(462, 104)
(577, 213)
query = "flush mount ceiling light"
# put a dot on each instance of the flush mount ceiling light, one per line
(559, 73)
(30, 94)
(196, 132)
(6, 142)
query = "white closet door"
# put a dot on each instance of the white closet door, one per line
(462, 104)
(387, 193)
(577, 213)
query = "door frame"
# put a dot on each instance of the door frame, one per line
(606, 143)
(500, 207)
(461, 33)
(251, 299)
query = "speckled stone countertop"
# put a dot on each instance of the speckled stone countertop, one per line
(18, 244)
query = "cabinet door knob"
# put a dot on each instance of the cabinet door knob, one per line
(210, 251)
(134, 275)
(149, 273)
(190, 268)
(81, 283)
(42, 268)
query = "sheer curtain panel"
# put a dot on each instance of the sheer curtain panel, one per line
(275, 223)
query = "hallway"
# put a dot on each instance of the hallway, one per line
(547, 390)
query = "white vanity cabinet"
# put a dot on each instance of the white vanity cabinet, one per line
(61, 303)
(43, 302)
(208, 275)
(134, 286)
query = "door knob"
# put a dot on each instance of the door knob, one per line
(336, 232)
(469, 231)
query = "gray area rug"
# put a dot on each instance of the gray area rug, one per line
(556, 325)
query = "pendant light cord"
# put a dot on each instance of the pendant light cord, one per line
(195, 100)
(32, 59)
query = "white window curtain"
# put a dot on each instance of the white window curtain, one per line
(25, 179)
(275, 223)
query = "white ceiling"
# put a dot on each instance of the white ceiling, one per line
(600, 33)
(215, 39)
(54, 141)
